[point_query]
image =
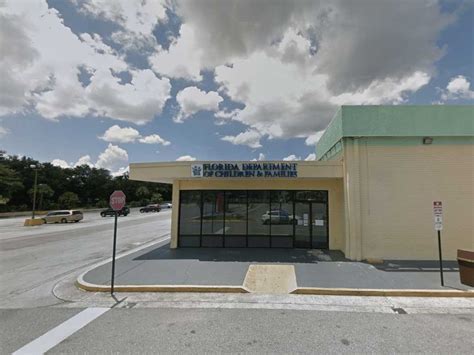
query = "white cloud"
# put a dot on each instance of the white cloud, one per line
(292, 157)
(313, 138)
(112, 158)
(458, 87)
(261, 156)
(117, 134)
(186, 158)
(192, 100)
(84, 160)
(389, 90)
(346, 39)
(284, 101)
(182, 59)
(35, 76)
(3, 132)
(305, 58)
(120, 171)
(249, 138)
(289, 68)
(60, 163)
(154, 139)
(226, 114)
(311, 156)
(138, 101)
(137, 18)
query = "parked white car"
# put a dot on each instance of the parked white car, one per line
(63, 216)
(278, 217)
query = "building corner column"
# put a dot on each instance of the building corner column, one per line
(175, 214)
(352, 203)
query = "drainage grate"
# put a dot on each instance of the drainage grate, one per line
(399, 310)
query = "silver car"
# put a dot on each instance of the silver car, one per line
(63, 216)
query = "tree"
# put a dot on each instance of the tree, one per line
(156, 198)
(68, 200)
(10, 182)
(91, 185)
(142, 192)
(44, 192)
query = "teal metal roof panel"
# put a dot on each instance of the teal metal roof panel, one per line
(407, 121)
(398, 121)
(331, 136)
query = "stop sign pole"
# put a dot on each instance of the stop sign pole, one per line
(117, 202)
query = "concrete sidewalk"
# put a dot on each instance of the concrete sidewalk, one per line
(158, 265)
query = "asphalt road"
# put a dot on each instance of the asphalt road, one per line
(34, 259)
(258, 331)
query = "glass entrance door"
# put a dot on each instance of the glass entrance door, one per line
(319, 225)
(302, 220)
(311, 225)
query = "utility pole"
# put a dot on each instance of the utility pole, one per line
(35, 167)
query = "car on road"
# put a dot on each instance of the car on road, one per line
(110, 212)
(150, 208)
(63, 216)
(278, 217)
(166, 205)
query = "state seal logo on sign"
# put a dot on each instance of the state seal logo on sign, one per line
(196, 170)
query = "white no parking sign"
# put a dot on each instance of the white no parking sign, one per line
(438, 215)
(438, 224)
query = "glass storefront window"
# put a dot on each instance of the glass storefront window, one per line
(253, 218)
(259, 205)
(213, 212)
(281, 215)
(317, 196)
(190, 213)
(236, 213)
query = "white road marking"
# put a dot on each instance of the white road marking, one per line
(61, 332)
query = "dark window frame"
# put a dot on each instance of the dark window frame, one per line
(322, 196)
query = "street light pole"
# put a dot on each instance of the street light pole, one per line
(34, 190)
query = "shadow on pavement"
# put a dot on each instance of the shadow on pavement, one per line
(417, 266)
(305, 256)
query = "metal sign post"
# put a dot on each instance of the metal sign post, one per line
(438, 223)
(117, 202)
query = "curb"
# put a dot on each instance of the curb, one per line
(381, 292)
(86, 286)
(80, 283)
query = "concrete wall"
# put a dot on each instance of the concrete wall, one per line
(334, 186)
(390, 185)
(167, 172)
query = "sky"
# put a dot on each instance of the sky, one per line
(109, 82)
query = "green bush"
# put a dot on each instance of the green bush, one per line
(102, 204)
(68, 200)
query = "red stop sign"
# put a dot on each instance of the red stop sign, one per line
(117, 200)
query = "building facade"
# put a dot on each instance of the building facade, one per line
(369, 194)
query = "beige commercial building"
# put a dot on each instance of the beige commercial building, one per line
(370, 192)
